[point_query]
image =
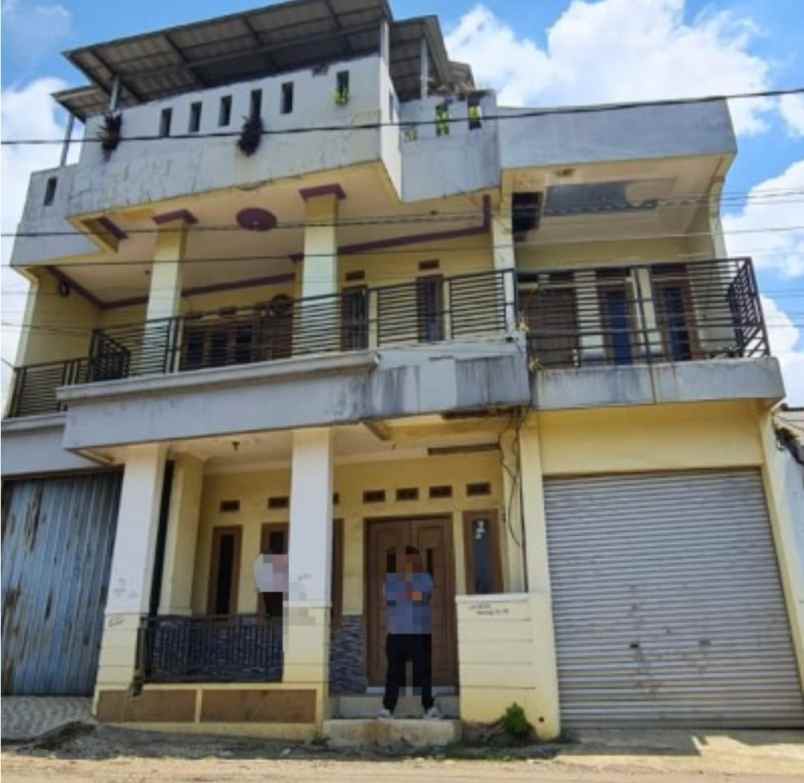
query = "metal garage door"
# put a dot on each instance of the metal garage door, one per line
(667, 602)
(58, 535)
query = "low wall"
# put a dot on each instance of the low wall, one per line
(504, 658)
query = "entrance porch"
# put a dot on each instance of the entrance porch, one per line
(330, 511)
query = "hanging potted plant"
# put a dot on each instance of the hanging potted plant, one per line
(110, 133)
(251, 134)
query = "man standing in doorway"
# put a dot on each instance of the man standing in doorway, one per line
(409, 621)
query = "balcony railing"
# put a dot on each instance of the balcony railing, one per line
(642, 314)
(230, 648)
(573, 318)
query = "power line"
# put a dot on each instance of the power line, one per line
(436, 216)
(525, 114)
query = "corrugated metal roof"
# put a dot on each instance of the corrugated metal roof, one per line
(284, 37)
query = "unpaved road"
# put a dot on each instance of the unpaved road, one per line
(650, 757)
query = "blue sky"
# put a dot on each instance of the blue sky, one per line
(535, 52)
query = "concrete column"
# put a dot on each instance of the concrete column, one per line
(320, 265)
(424, 73)
(784, 536)
(182, 533)
(310, 563)
(511, 530)
(164, 298)
(544, 700)
(132, 564)
(502, 241)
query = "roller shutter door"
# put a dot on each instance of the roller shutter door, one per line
(667, 603)
(58, 535)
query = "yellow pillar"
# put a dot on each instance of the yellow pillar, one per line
(783, 530)
(543, 701)
(175, 596)
(511, 530)
(502, 241)
(164, 298)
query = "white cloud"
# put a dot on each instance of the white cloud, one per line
(619, 50)
(28, 112)
(782, 251)
(784, 338)
(792, 109)
(34, 30)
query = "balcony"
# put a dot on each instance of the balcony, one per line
(647, 314)
(226, 648)
(429, 310)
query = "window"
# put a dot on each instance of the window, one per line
(287, 98)
(442, 119)
(50, 190)
(225, 111)
(473, 110)
(482, 553)
(224, 570)
(195, 118)
(164, 122)
(256, 103)
(342, 88)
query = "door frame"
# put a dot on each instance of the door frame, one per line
(368, 523)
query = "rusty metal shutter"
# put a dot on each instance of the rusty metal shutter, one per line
(667, 602)
(58, 536)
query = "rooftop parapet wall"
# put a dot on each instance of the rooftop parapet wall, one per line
(605, 135)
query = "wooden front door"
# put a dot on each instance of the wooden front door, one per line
(387, 540)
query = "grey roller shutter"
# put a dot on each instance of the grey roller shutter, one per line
(667, 602)
(58, 536)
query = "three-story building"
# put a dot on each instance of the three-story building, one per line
(309, 297)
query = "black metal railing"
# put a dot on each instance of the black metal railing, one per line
(642, 314)
(573, 318)
(230, 648)
(34, 390)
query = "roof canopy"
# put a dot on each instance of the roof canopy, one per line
(275, 39)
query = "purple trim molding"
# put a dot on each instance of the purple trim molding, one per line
(112, 228)
(184, 215)
(322, 190)
(77, 287)
(412, 239)
(249, 282)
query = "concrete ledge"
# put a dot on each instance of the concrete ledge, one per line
(320, 391)
(44, 421)
(368, 705)
(382, 733)
(697, 381)
(279, 369)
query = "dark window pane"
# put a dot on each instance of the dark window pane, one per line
(195, 118)
(481, 557)
(277, 544)
(223, 590)
(164, 122)
(256, 103)
(287, 98)
(225, 113)
(390, 561)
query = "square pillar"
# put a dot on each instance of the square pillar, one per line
(320, 265)
(182, 533)
(164, 297)
(307, 609)
(502, 246)
(512, 534)
(132, 564)
(544, 699)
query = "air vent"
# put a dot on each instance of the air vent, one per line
(374, 496)
(358, 274)
(441, 491)
(425, 265)
(228, 506)
(336, 498)
(478, 488)
(407, 493)
(278, 502)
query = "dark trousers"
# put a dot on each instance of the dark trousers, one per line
(399, 649)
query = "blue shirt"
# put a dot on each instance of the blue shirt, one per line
(402, 613)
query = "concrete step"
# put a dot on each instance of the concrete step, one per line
(368, 705)
(362, 732)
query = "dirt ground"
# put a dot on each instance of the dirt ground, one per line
(83, 753)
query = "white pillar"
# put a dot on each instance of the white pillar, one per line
(424, 73)
(164, 298)
(320, 265)
(502, 241)
(307, 610)
(175, 596)
(132, 564)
